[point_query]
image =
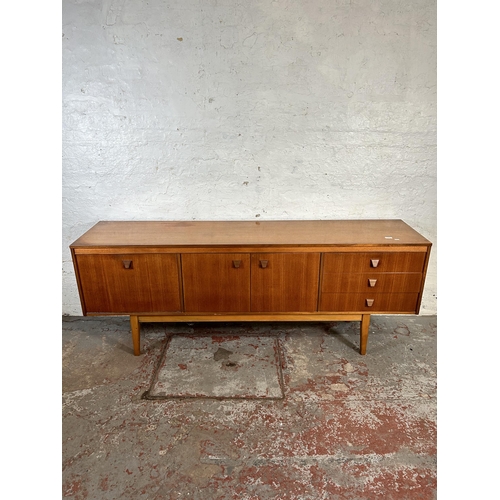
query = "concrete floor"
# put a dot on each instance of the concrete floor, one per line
(349, 426)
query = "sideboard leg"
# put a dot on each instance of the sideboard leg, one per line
(136, 334)
(365, 326)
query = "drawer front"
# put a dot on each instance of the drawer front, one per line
(374, 262)
(374, 282)
(131, 283)
(366, 302)
(216, 282)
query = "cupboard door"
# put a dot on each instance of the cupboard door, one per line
(131, 283)
(285, 282)
(216, 282)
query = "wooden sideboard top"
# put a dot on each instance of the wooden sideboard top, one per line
(249, 233)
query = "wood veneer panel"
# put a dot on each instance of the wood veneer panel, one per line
(209, 233)
(150, 284)
(389, 283)
(289, 282)
(356, 302)
(212, 283)
(248, 249)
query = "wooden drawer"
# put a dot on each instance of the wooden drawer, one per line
(358, 302)
(374, 262)
(129, 283)
(373, 282)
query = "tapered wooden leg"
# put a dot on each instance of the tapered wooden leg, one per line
(136, 334)
(365, 326)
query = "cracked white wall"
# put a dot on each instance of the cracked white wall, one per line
(221, 109)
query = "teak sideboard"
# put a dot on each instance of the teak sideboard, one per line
(182, 271)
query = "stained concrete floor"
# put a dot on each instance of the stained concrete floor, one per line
(349, 426)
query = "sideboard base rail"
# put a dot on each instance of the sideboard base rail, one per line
(136, 320)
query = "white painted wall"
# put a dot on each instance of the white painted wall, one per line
(224, 109)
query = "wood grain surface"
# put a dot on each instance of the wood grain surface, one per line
(220, 233)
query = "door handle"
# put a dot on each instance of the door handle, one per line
(127, 264)
(263, 263)
(236, 263)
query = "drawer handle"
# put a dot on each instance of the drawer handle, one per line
(369, 302)
(374, 262)
(372, 283)
(127, 264)
(236, 263)
(263, 263)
